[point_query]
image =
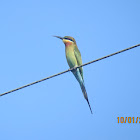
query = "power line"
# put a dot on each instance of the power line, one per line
(69, 70)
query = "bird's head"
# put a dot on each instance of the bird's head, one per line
(68, 40)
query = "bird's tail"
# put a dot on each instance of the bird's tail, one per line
(85, 94)
(82, 85)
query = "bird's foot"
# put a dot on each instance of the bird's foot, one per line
(69, 69)
(74, 68)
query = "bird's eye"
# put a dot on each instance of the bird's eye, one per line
(69, 39)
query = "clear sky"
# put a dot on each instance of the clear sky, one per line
(56, 109)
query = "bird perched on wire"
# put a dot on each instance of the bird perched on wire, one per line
(74, 59)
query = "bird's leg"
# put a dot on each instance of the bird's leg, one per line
(73, 69)
(69, 69)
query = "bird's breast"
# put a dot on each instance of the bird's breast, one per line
(70, 56)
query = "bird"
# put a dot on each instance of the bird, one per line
(74, 59)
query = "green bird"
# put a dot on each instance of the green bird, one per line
(74, 59)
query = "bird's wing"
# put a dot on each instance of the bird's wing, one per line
(79, 60)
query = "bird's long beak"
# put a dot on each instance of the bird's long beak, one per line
(59, 37)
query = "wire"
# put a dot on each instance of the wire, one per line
(69, 70)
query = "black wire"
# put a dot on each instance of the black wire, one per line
(69, 70)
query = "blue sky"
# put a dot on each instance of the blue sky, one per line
(56, 109)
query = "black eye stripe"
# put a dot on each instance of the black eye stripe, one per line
(68, 39)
